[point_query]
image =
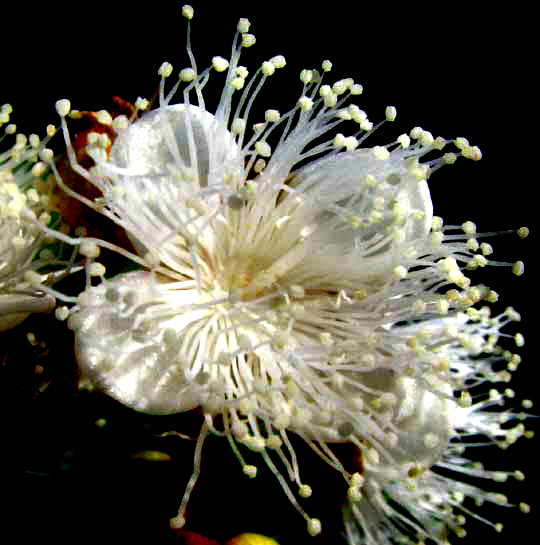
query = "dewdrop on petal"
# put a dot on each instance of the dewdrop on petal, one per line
(325, 299)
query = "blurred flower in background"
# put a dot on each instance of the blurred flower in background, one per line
(24, 197)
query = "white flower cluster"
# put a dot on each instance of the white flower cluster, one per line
(21, 205)
(321, 298)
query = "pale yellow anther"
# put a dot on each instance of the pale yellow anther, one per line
(448, 264)
(238, 83)
(426, 138)
(272, 116)
(469, 228)
(89, 249)
(512, 314)
(268, 68)
(142, 104)
(306, 76)
(416, 132)
(354, 494)
(243, 25)
(439, 143)
(165, 70)
(325, 90)
(486, 248)
(255, 443)
(518, 268)
(330, 100)
(63, 107)
(20, 142)
(242, 72)
(472, 152)
(248, 40)
(187, 11)
(39, 169)
(314, 527)
(259, 165)
(278, 61)
(339, 140)
(404, 141)
(365, 125)
(461, 143)
(305, 104)
(220, 64)
(449, 158)
(250, 471)
(61, 313)
(391, 113)
(523, 232)
(96, 269)
(305, 491)
(350, 143)
(342, 86)
(357, 480)
(33, 139)
(187, 74)
(263, 149)
(356, 113)
(380, 153)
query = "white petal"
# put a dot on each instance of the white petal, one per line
(180, 136)
(357, 207)
(122, 345)
(424, 422)
(168, 171)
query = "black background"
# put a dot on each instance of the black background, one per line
(454, 73)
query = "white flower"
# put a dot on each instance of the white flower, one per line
(436, 437)
(321, 297)
(21, 292)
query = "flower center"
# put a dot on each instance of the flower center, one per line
(244, 277)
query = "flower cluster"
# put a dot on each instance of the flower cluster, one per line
(293, 281)
(24, 200)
